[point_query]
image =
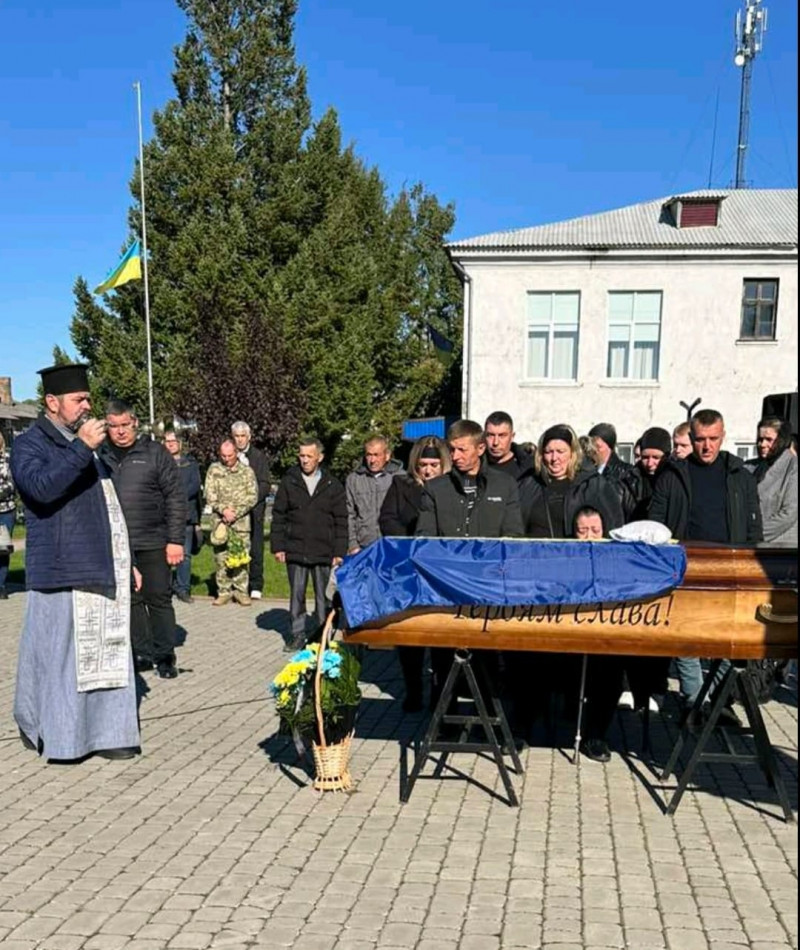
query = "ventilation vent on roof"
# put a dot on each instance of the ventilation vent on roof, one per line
(695, 212)
(699, 214)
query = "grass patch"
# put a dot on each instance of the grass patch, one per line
(276, 583)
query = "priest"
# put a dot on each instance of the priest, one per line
(75, 692)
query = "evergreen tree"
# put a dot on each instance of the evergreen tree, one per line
(286, 288)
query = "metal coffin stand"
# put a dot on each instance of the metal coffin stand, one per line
(734, 603)
(764, 754)
(462, 666)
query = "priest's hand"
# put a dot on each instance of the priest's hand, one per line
(174, 554)
(92, 433)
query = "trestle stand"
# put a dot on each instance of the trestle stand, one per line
(462, 666)
(764, 754)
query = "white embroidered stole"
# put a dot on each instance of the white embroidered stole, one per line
(102, 622)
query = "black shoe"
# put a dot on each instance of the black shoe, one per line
(128, 753)
(27, 742)
(3, 593)
(596, 749)
(296, 643)
(184, 597)
(141, 665)
(167, 670)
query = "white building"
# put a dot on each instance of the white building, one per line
(620, 316)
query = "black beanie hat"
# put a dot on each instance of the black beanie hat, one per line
(606, 432)
(561, 432)
(656, 438)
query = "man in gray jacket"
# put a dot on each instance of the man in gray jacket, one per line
(366, 488)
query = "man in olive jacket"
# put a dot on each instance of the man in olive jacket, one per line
(473, 500)
(309, 533)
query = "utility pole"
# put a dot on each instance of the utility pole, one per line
(750, 29)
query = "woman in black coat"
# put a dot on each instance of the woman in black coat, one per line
(563, 484)
(428, 459)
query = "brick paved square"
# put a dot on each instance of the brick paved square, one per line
(214, 839)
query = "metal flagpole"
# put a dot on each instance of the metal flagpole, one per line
(137, 86)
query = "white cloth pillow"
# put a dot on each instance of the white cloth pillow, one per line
(651, 532)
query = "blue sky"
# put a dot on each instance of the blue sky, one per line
(518, 112)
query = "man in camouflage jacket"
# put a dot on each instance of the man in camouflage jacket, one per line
(231, 493)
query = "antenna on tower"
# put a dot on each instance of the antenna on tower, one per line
(750, 30)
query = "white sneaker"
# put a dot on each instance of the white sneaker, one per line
(625, 700)
(255, 594)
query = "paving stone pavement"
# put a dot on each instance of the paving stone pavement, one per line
(213, 838)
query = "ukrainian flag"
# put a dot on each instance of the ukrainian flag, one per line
(129, 268)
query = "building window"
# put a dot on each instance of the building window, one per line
(759, 309)
(746, 450)
(551, 347)
(634, 334)
(625, 451)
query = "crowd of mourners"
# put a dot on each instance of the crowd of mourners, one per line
(477, 482)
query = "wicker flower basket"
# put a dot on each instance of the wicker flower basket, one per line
(330, 760)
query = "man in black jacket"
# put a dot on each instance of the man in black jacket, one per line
(709, 496)
(604, 440)
(309, 533)
(189, 471)
(257, 460)
(473, 500)
(154, 504)
(619, 474)
(502, 452)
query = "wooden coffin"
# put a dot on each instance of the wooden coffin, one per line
(737, 603)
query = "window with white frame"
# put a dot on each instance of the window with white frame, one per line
(746, 450)
(551, 345)
(634, 334)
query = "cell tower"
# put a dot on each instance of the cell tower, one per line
(750, 30)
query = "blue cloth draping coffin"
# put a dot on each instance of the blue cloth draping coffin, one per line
(396, 574)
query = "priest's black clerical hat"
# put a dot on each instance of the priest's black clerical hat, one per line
(70, 378)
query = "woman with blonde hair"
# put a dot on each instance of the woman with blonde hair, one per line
(8, 512)
(428, 459)
(564, 481)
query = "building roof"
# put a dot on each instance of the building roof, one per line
(18, 410)
(748, 218)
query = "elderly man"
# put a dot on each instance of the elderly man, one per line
(366, 489)
(309, 533)
(75, 692)
(153, 501)
(231, 492)
(257, 460)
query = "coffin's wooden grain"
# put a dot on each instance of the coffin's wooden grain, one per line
(737, 603)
